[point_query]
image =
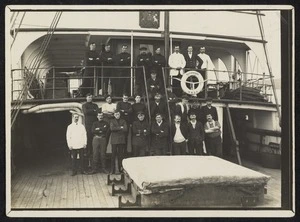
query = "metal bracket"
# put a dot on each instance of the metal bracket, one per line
(115, 181)
(137, 202)
(115, 191)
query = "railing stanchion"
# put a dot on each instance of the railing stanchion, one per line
(95, 82)
(205, 85)
(102, 80)
(53, 85)
(241, 85)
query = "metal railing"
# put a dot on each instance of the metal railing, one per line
(76, 81)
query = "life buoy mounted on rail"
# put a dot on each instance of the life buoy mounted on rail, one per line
(189, 86)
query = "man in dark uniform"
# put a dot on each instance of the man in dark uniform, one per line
(118, 129)
(154, 85)
(140, 137)
(92, 58)
(195, 108)
(182, 108)
(90, 111)
(158, 62)
(122, 82)
(190, 58)
(100, 129)
(137, 107)
(160, 133)
(125, 109)
(106, 58)
(143, 60)
(209, 109)
(195, 135)
(158, 106)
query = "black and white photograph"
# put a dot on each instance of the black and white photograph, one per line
(139, 111)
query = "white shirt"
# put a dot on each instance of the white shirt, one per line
(178, 137)
(76, 136)
(194, 124)
(177, 60)
(109, 108)
(207, 63)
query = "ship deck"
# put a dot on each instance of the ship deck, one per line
(48, 185)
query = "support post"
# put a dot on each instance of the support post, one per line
(53, 85)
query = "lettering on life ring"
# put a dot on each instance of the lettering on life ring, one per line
(189, 86)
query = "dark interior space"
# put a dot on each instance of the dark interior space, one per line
(40, 139)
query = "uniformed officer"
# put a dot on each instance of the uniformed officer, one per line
(92, 58)
(140, 137)
(122, 82)
(106, 58)
(158, 62)
(143, 60)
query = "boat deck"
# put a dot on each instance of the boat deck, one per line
(50, 186)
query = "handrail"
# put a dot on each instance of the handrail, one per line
(233, 136)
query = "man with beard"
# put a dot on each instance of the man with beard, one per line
(160, 133)
(90, 111)
(100, 129)
(195, 135)
(106, 58)
(158, 62)
(143, 60)
(179, 136)
(140, 137)
(122, 82)
(118, 129)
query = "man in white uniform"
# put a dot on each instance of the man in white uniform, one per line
(206, 65)
(77, 141)
(176, 63)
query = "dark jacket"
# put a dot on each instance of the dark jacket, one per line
(183, 129)
(140, 133)
(144, 60)
(118, 131)
(198, 112)
(154, 86)
(190, 62)
(160, 108)
(107, 58)
(90, 111)
(125, 110)
(183, 114)
(101, 128)
(92, 58)
(122, 59)
(197, 133)
(138, 107)
(159, 135)
(205, 111)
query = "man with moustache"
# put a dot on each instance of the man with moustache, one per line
(213, 136)
(179, 136)
(195, 135)
(160, 134)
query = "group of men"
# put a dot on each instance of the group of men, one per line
(116, 69)
(151, 133)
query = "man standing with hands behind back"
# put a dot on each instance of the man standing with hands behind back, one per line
(76, 140)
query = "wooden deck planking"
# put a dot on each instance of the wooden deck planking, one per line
(101, 196)
(23, 190)
(106, 191)
(91, 191)
(58, 191)
(94, 194)
(81, 191)
(63, 199)
(70, 193)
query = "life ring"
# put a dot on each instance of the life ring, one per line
(193, 90)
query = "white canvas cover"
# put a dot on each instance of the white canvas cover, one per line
(163, 173)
